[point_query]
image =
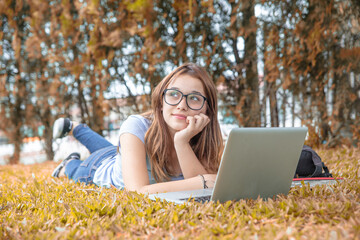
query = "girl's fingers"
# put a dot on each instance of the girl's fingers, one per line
(201, 120)
(195, 125)
(191, 122)
(199, 123)
(198, 120)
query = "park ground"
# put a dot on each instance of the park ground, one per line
(34, 205)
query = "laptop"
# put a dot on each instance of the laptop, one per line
(256, 162)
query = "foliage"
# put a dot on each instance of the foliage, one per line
(35, 206)
(305, 61)
(60, 55)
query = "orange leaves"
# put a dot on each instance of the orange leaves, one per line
(132, 29)
(38, 13)
(355, 25)
(72, 46)
(113, 39)
(209, 4)
(180, 8)
(16, 44)
(54, 87)
(19, 5)
(3, 91)
(93, 8)
(353, 97)
(272, 60)
(314, 42)
(139, 9)
(137, 5)
(352, 55)
(273, 70)
(287, 81)
(33, 47)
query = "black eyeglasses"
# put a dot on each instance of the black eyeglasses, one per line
(194, 101)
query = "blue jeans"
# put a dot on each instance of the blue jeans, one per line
(100, 149)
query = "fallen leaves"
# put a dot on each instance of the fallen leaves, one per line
(35, 205)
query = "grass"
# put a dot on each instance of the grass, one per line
(35, 206)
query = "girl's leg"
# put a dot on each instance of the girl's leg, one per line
(99, 147)
(84, 171)
(90, 139)
(71, 167)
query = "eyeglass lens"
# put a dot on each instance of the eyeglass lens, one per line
(193, 100)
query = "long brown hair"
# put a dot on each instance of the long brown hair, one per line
(207, 145)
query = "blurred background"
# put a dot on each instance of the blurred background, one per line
(275, 63)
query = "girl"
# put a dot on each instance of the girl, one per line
(176, 146)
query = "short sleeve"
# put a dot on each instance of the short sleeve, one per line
(136, 125)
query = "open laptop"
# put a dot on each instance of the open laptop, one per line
(255, 162)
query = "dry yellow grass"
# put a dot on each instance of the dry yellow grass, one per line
(35, 206)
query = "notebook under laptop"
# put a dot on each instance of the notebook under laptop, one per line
(256, 162)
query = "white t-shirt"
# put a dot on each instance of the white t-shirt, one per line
(109, 172)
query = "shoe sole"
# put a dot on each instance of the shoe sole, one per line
(74, 155)
(57, 170)
(58, 128)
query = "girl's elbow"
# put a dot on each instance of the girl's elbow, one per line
(138, 189)
(144, 190)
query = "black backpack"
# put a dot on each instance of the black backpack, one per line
(310, 165)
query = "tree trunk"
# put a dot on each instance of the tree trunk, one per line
(293, 108)
(96, 93)
(251, 106)
(48, 135)
(274, 112)
(283, 108)
(264, 106)
(16, 134)
(319, 98)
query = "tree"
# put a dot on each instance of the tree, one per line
(60, 55)
(14, 85)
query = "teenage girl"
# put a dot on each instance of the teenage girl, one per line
(176, 146)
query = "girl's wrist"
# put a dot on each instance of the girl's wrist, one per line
(210, 180)
(181, 138)
(180, 143)
(204, 182)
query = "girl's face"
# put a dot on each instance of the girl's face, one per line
(175, 115)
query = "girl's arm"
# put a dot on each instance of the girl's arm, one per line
(180, 185)
(189, 163)
(136, 176)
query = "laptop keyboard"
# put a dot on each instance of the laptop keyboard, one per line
(198, 199)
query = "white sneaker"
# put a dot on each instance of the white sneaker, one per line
(56, 172)
(61, 127)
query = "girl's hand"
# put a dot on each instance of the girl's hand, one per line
(210, 180)
(196, 124)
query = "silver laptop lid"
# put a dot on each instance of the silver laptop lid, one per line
(258, 162)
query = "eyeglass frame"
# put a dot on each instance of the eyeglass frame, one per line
(186, 100)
